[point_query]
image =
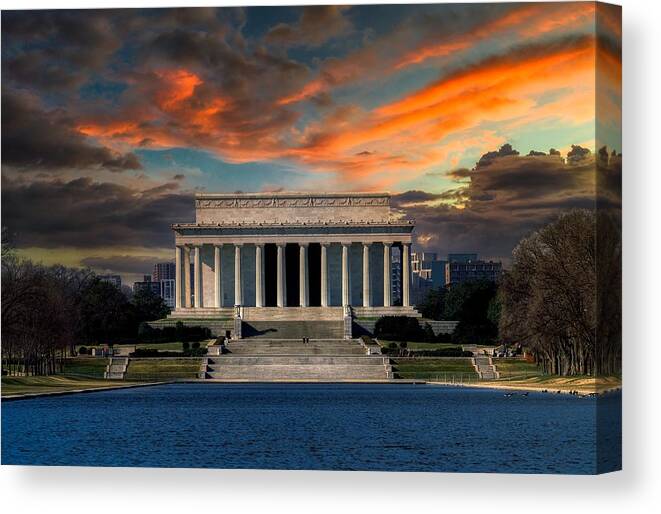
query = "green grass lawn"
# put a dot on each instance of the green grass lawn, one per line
(431, 368)
(176, 346)
(417, 345)
(88, 366)
(163, 369)
(53, 383)
(509, 368)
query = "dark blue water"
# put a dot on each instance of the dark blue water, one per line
(309, 426)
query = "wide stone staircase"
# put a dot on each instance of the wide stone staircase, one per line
(275, 329)
(116, 368)
(277, 360)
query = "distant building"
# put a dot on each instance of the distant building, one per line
(115, 280)
(459, 271)
(147, 284)
(163, 271)
(462, 257)
(428, 271)
(168, 291)
(438, 274)
(161, 282)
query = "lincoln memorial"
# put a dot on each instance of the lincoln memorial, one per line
(311, 255)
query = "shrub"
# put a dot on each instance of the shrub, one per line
(403, 345)
(444, 338)
(429, 333)
(443, 352)
(392, 346)
(195, 352)
(82, 350)
(186, 345)
(179, 332)
(367, 339)
(399, 328)
(195, 345)
(145, 352)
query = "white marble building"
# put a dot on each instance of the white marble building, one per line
(275, 251)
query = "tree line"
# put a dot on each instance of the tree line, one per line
(48, 310)
(561, 298)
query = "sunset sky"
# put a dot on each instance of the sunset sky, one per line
(112, 120)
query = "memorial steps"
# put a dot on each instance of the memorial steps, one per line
(295, 347)
(278, 360)
(293, 329)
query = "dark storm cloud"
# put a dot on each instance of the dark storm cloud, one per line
(121, 264)
(500, 202)
(85, 213)
(316, 25)
(34, 139)
(414, 197)
(577, 154)
(57, 50)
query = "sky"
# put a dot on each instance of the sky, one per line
(113, 119)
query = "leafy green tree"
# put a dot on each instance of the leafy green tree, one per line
(433, 304)
(473, 305)
(149, 306)
(398, 328)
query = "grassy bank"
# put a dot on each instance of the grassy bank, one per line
(53, 384)
(517, 368)
(175, 346)
(86, 366)
(163, 369)
(435, 368)
(554, 384)
(417, 345)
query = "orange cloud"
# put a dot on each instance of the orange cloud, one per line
(526, 20)
(176, 86)
(308, 90)
(493, 90)
(400, 140)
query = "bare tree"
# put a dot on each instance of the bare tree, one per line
(561, 296)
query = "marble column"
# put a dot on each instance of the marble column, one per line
(281, 275)
(387, 301)
(197, 295)
(186, 270)
(217, 277)
(238, 290)
(367, 300)
(259, 275)
(346, 279)
(406, 274)
(177, 277)
(324, 274)
(304, 287)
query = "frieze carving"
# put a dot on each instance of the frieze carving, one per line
(309, 201)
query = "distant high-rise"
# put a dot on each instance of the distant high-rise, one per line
(457, 271)
(161, 282)
(163, 271)
(115, 280)
(168, 291)
(147, 284)
(462, 257)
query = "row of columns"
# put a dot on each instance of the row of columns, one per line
(182, 261)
